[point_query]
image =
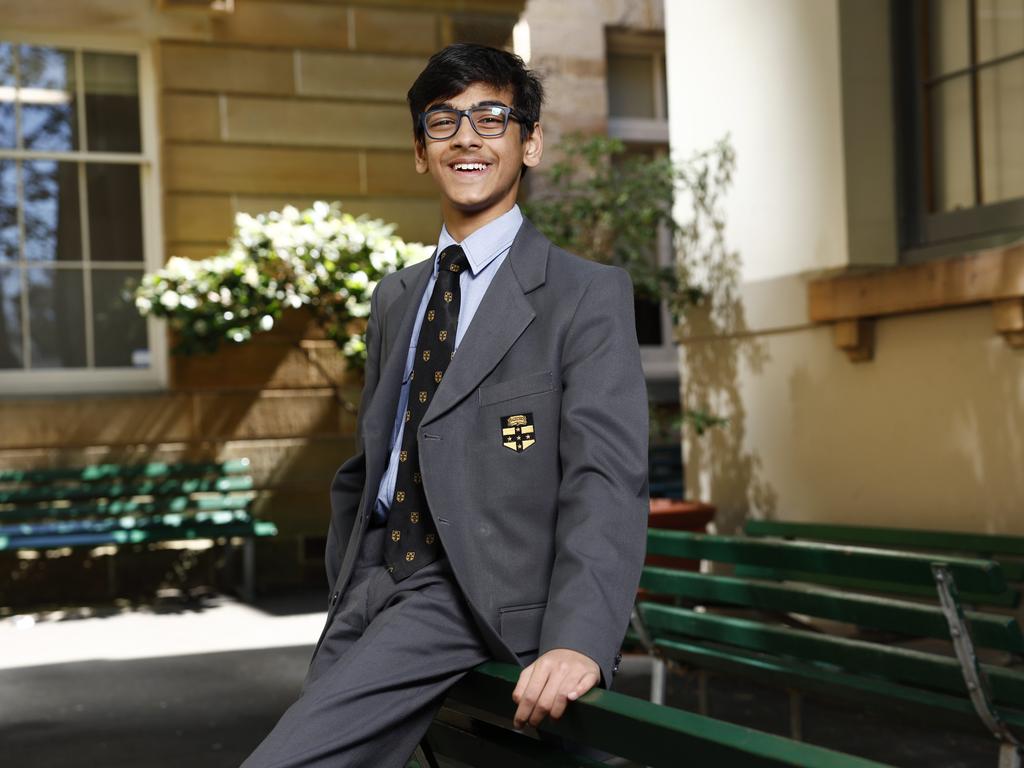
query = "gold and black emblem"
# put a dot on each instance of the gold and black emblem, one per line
(517, 432)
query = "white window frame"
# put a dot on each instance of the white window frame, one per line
(126, 379)
(662, 361)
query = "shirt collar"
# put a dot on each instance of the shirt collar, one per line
(487, 243)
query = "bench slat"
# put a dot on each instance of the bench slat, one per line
(773, 671)
(916, 619)
(164, 487)
(1009, 598)
(155, 533)
(117, 507)
(96, 472)
(972, 575)
(648, 733)
(67, 527)
(902, 664)
(884, 537)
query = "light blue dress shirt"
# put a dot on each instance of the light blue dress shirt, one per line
(485, 250)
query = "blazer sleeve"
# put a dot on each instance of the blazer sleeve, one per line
(350, 479)
(601, 529)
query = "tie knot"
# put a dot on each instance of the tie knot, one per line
(452, 259)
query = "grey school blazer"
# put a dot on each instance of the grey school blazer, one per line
(533, 451)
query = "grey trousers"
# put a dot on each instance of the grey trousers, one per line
(385, 662)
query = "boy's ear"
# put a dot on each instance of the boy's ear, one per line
(421, 156)
(533, 147)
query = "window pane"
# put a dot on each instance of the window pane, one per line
(52, 223)
(1000, 28)
(111, 102)
(630, 86)
(1001, 99)
(648, 321)
(56, 318)
(48, 117)
(952, 167)
(10, 319)
(947, 35)
(8, 210)
(120, 331)
(115, 212)
(7, 86)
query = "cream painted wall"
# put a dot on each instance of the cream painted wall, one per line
(769, 74)
(930, 433)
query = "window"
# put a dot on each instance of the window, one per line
(961, 89)
(77, 198)
(638, 114)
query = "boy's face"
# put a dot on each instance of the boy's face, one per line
(478, 195)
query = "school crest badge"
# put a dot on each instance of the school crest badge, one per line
(517, 432)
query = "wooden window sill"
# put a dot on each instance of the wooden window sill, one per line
(852, 303)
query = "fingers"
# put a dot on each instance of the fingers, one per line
(586, 681)
(552, 698)
(524, 680)
(531, 695)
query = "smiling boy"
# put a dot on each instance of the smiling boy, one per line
(496, 505)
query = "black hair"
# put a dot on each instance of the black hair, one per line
(453, 69)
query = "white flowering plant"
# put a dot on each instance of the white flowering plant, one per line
(321, 258)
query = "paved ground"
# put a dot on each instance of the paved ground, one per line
(199, 686)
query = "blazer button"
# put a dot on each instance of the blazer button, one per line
(334, 599)
(615, 666)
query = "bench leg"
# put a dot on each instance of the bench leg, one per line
(249, 570)
(703, 700)
(112, 576)
(796, 719)
(657, 680)
(1010, 756)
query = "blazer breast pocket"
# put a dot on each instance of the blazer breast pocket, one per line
(534, 384)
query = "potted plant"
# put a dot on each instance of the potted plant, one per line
(286, 268)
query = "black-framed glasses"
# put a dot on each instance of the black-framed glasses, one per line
(489, 122)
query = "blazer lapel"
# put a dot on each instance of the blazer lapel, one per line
(502, 317)
(398, 324)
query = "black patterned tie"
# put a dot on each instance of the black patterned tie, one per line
(412, 538)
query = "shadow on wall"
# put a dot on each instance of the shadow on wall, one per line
(716, 348)
(929, 434)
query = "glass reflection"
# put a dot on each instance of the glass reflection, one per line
(53, 230)
(115, 212)
(112, 102)
(56, 314)
(119, 331)
(11, 355)
(1001, 97)
(7, 86)
(952, 162)
(8, 210)
(47, 82)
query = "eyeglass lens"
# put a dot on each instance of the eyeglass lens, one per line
(488, 121)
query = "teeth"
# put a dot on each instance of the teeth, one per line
(470, 166)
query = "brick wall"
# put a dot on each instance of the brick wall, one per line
(281, 101)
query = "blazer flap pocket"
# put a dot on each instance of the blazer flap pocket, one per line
(519, 626)
(507, 390)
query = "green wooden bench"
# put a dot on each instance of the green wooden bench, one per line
(763, 621)
(124, 504)
(474, 728)
(1008, 551)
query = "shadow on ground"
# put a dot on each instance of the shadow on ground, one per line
(209, 710)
